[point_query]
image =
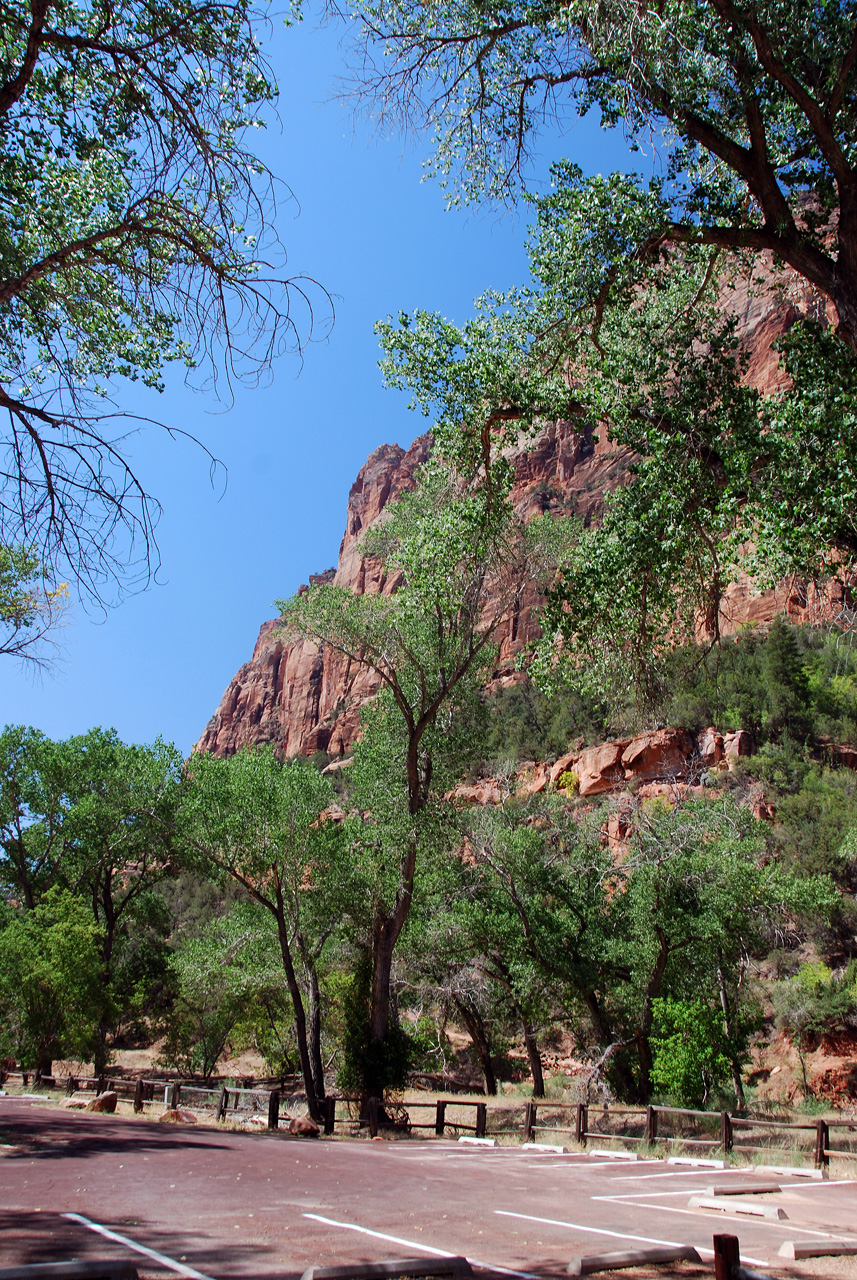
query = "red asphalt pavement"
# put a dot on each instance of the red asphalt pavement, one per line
(222, 1204)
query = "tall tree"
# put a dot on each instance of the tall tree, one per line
(462, 560)
(134, 232)
(260, 821)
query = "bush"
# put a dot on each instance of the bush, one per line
(691, 1052)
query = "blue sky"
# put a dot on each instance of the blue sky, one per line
(379, 240)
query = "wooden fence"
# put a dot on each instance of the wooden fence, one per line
(703, 1131)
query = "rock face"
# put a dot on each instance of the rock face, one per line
(304, 698)
(663, 753)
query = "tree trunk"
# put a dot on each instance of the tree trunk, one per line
(385, 934)
(475, 1025)
(644, 1047)
(534, 1056)
(316, 1062)
(298, 1007)
(737, 1082)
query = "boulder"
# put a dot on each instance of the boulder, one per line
(177, 1115)
(739, 743)
(487, 791)
(74, 1104)
(843, 755)
(104, 1102)
(661, 753)
(710, 744)
(600, 768)
(532, 780)
(303, 1127)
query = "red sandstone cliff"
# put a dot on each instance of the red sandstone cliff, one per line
(305, 699)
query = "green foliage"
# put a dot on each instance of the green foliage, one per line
(215, 981)
(751, 110)
(51, 989)
(93, 814)
(29, 605)
(633, 316)
(690, 1058)
(133, 234)
(523, 723)
(369, 1066)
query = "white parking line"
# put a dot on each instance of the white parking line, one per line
(635, 1195)
(169, 1263)
(423, 1248)
(757, 1222)
(678, 1173)
(616, 1235)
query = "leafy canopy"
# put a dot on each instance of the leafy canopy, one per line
(133, 232)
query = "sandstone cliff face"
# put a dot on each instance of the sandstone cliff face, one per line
(305, 699)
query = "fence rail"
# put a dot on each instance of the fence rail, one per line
(648, 1126)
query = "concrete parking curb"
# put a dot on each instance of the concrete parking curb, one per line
(451, 1266)
(593, 1262)
(817, 1249)
(740, 1207)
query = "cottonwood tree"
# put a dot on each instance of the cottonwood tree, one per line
(462, 560)
(749, 109)
(260, 821)
(92, 815)
(31, 607)
(677, 915)
(752, 107)
(135, 232)
(52, 996)
(724, 479)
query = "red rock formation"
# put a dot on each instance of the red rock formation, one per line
(663, 753)
(306, 699)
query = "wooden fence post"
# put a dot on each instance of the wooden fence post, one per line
(174, 1096)
(440, 1118)
(329, 1115)
(274, 1109)
(70, 1086)
(725, 1131)
(822, 1144)
(138, 1096)
(372, 1116)
(727, 1257)
(581, 1123)
(651, 1125)
(100, 1085)
(530, 1111)
(222, 1104)
(481, 1119)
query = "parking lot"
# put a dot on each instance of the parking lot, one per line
(204, 1203)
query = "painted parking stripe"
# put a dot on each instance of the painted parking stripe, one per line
(169, 1263)
(616, 1235)
(679, 1173)
(424, 1248)
(757, 1222)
